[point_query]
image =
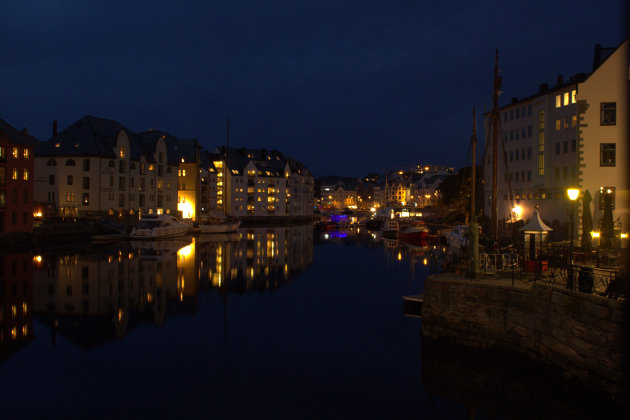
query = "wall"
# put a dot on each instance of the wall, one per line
(580, 333)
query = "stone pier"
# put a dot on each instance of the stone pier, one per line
(580, 333)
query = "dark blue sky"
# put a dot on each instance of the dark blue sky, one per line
(347, 87)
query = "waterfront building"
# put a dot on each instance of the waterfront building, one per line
(259, 183)
(539, 138)
(603, 135)
(98, 168)
(16, 179)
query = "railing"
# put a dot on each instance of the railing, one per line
(586, 279)
(499, 262)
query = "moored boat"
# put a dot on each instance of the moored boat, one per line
(227, 225)
(159, 226)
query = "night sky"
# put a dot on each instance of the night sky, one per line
(346, 87)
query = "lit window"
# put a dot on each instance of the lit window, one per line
(14, 174)
(25, 174)
(607, 154)
(27, 153)
(573, 100)
(121, 153)
(558, 101)
(16, 153)
(566, 98)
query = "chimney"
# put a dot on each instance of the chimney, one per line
(54, 128)
(25, 131)
(560, 79)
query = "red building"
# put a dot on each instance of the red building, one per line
(16, 179)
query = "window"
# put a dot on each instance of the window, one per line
(518, 112)
(557, 148)
(529, 153)
(573, 145)
(566, 98)
(69, 197)
(86, 182)
(573, 99)
(3, 199)
(27, 153)
(529, 176)
(566, 146)
(121, 152)
(25, 174)
(566, 123)
(51, 162)
(111, 180)
(86, 165)
(511, 155)
(573, 121)
(558, 125)
(16, 153)
(603, 192)
(607, 154)
(608, 113)
(3, 154)
(70, 162)
(121, 200)
(3, 175)
(51, 179)
(69, 180)
(505, 116)
(14, 174)
(558, 101)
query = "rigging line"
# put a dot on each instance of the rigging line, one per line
(506, 172)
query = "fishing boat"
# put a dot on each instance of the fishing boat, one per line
(159, 226)
(390, 227)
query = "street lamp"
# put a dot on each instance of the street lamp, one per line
(573, 194)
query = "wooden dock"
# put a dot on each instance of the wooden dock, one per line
(412, 305)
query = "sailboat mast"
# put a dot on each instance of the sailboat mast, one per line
(473, 144)
(226, 200)
(495, 146)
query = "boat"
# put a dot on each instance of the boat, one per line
(159, 226)
(415, 231)
(109, 237)
(219, 225)
(390, 227)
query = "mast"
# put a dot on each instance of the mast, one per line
(473, 228)
(495, 147)
(226, 200)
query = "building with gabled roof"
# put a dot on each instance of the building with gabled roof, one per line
(97, 167)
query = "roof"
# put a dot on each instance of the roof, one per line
(535, 224)
(16, 136)
(89, 136)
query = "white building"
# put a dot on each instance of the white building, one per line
(540, 137)
(97, 167)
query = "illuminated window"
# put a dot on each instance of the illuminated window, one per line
(25, 174)
(573, 121)
(558, 124)
(27, 153)
(566, 98)
(24, 330)
(607, 154)
(14, 174)
(13, 311)
(3, 154)
(573, 100)
(16, 153)
(121, 152)
(558, 101)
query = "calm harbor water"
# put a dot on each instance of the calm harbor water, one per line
(277, 322)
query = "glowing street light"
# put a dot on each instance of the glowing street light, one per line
(573, 194)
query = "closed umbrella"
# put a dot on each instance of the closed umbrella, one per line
(608, 225)
(587, 222)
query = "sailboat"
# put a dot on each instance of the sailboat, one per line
(221, 223)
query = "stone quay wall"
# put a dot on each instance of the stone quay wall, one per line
(577, 332)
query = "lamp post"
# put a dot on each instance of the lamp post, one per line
(573, 194)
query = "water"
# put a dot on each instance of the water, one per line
(277, 324)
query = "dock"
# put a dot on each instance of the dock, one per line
(412, 305)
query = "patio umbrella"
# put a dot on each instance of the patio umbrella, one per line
(608, 225)
(587, 222)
